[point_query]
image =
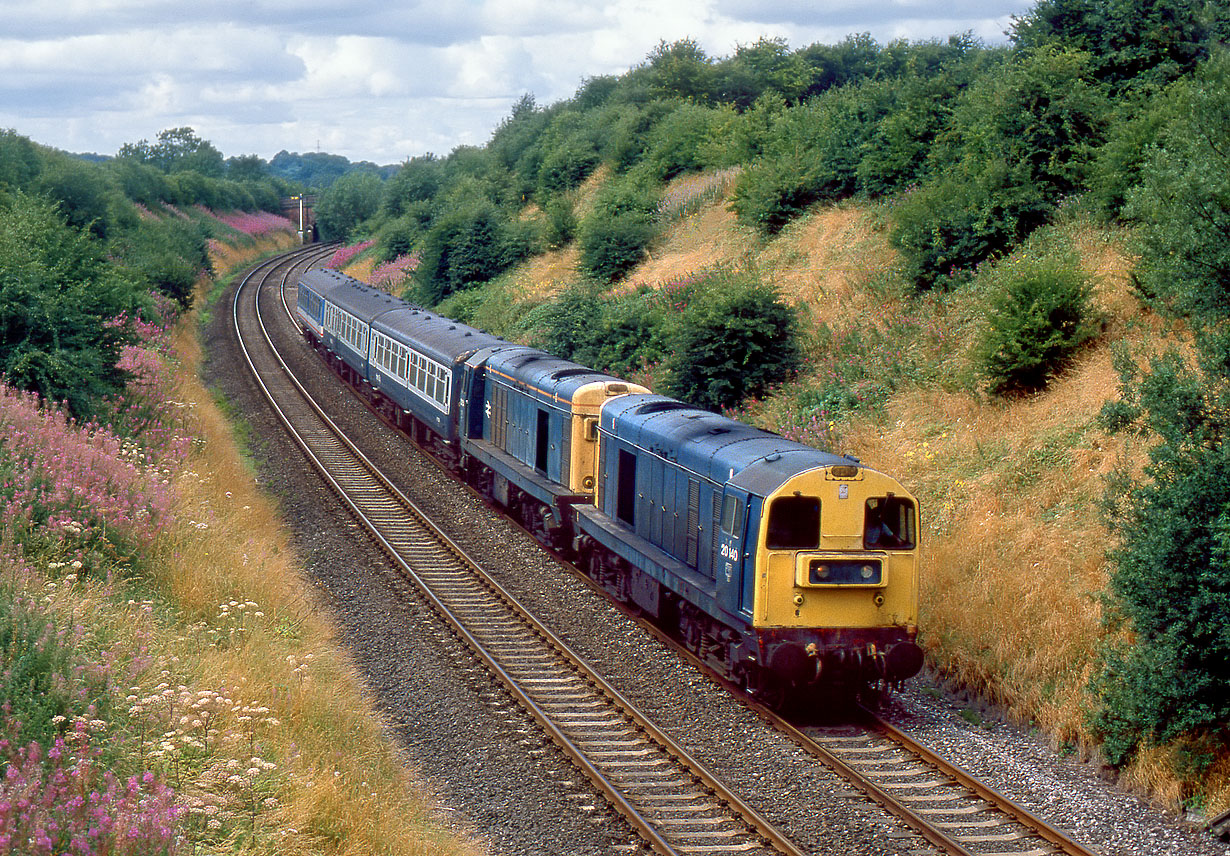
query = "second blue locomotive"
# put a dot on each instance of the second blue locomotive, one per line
(790, 570)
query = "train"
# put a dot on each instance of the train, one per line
(791, 571)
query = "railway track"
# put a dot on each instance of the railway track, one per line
(951, 809)
(671, 799)
(674, 803)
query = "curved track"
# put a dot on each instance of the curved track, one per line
(673, 801)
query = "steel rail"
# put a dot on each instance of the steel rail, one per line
(1011, 811)
(758, 825)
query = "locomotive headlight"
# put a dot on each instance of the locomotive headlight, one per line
(822, 571)
(868, 572)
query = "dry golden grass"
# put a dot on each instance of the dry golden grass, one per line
(825, 259)
(342, 787)
(361, 268)
(585, 195)
(710, 237)
(1014, 558)
(543, 275)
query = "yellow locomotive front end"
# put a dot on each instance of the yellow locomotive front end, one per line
(836, 571)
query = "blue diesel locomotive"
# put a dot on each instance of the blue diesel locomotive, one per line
(790, 570)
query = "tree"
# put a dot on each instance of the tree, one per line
(1170, 584)
(418, 180)
(738, 342)
(177, 150)
(773, 67)
(468, 244)
(20, 161)
(1183, 202)
(249, 168)
(1132, 42)
(1022, 138)
(346, 203)
(680, 70)
(58, 299)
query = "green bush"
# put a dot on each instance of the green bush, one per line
(1038, 314)
(419, 180)
(1170, 583)
(614, 237)
(735, 341)
(168, 254)
(676, 143)
(1183, 201)
(611, 248)
(567, 153)
(812, 155)
(56, 296)
(468, 245)
(560, 222)
(774, 191)
(567, 325)
(398, 237)
(946, 228)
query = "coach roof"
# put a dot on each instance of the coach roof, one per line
(433, 334)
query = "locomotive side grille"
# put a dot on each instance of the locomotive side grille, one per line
(693, 539)
(715, 529)
(499, 417)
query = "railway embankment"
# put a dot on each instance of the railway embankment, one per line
(1012, 486)
(165, 660)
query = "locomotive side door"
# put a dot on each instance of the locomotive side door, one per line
(728, 561)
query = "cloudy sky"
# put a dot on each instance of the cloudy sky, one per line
(378, 80)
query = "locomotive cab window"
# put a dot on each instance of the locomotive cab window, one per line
(794, 523)
(732, 516)
(889, 524)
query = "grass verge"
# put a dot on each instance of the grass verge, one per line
(159, 651)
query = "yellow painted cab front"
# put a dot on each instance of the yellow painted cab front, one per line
(838, 548)
(837, 555)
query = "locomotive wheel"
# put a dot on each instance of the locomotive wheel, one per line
(771, 690)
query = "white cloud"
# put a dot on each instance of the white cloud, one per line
(373, 80)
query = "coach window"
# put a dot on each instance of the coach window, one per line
(794, 523)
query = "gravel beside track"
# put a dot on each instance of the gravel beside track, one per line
(494, 776)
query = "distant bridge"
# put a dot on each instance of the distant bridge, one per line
(300, 210)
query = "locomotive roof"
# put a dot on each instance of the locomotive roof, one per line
(553, 377)
(716, 447)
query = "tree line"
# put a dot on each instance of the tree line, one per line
(89, 246)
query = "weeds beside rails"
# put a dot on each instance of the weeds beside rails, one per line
(166, 688)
